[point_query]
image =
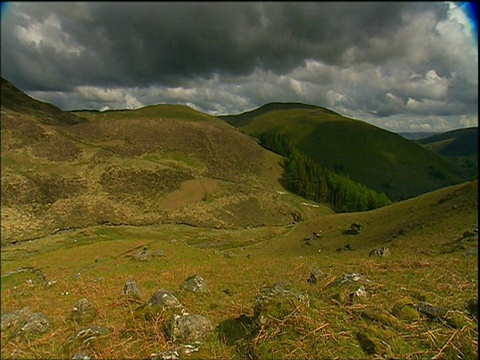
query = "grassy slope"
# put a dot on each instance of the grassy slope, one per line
(427, 262)
(136, 167)
(459, 145)
(378, 158)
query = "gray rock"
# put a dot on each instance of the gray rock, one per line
(430, 310)
(131, 289)
(11, 319)
(195, 283)
(166, 355)
(472, 251)
(165, 300)
(277, 301)
(81, 356)
(143, 255)
(88, 334)
(83, 312)
(349, 279)
(38, 323)
(188, 328)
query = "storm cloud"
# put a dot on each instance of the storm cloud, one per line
(398, 65)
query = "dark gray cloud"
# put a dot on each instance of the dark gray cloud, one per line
(376, 59)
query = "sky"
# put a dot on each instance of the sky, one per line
(401, 66)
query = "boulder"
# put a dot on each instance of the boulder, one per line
(277, 302)
(131, 289)
(38, 323)
(188, 328)
(431, 310)
(350, 278)
(88, 335)
(194, 283)
(11, 319)
(83, 312)
(143, 255)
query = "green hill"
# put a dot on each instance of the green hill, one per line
(155, 165)
(15, 100)
(459, 145)
(380, 159)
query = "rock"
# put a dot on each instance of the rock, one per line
(131, 289)
(166, 355)
(405, 309)
(379, 315)
(188, 328)
(277, 302)
(194, 283)
(353, 230)
(38, 323)
(11, 319)
(315, 274)
(165, 300)
(349, 279)
(143, 255)
(232, 330)
(81, 356)
(358, 295)
(83, 312)
(369, 344)
(471, 306)
(430, 310)
(345, 248)
(472, 251)
(384, 251)
(88, 335)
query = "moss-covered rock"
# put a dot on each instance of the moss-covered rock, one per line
(405, 309)
(277, 302)
(382, 316)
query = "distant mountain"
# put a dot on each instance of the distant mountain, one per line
(461, 142)
(459, 145)
(380, 159)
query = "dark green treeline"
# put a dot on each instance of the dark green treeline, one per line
(305, 177)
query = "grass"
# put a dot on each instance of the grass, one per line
(328, 327)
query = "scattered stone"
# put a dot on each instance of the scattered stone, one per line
(38, 323)
(353, 230)
(314, 275)
(81, 356)
(379, 315)
(471, 306)
(358, 295)
(166, 355)
(430, 310)
(349, 279)
(31, 269)
(469, 234)
(345, 248)
(228, 255)
(405, 309)
(195, 283)
(83, 312)
(143, 255)
(472, 251)
(384, 252)
(232, 330)
(88, 334)
(188, 328)
(164, 300)
(131, 289)
(277, 302)
(228, 292)
(159, 253)
(11, 319)
(369, 344)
